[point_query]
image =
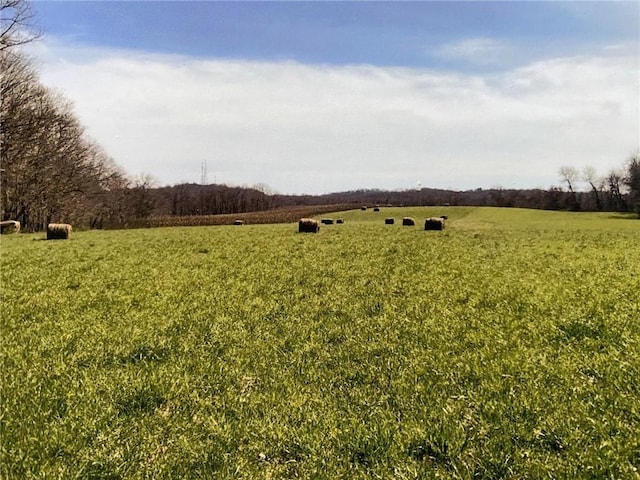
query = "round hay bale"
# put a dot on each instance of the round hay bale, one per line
(376, 209)
(389, 221)
(408, 222)
(58, 231)
(327, 221)
(444, 217)
(238, 222)
(340, 221)
(363, 208)
(9, 226)
(434, 223)
(308, 225)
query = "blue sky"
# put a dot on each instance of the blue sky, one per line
(377, 33)
(327, 96)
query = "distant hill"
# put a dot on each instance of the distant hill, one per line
(193, 199)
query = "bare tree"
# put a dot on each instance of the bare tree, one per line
(16, 24)
(139, 198)
(570, 176)
(50, 170)
(107, 204)
(590, 176)
(632, 180)
(616, 185)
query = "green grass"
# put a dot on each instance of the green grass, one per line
(506, 346)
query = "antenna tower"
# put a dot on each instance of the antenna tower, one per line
(203, 173)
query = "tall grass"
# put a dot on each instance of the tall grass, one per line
(506, 346)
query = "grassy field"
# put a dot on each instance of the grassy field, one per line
(506, 346)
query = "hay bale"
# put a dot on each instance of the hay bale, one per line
(389, 221)
(434, 223)
(308, 225)
(9, 226)
(340, 221)
(408, 222)
(58, 231)
(444, 217)
(363, 208)
(327, 221)
(376, 209)
(238, 222)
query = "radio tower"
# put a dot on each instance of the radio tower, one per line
(203, 173)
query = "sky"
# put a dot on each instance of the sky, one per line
(319, 97)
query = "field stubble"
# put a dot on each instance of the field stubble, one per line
(504, 346)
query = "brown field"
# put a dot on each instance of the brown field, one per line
(281, 215)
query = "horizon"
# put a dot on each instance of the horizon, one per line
(317, 98)
(263, 188)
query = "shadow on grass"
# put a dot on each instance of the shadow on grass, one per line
(140, 401)
(624, 216)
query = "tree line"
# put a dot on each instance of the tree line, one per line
(619, 190)
(51, 171)
(616, 192)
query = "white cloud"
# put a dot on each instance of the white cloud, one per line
(481, 51)
(319, 128)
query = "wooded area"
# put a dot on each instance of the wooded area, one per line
(194, 199)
